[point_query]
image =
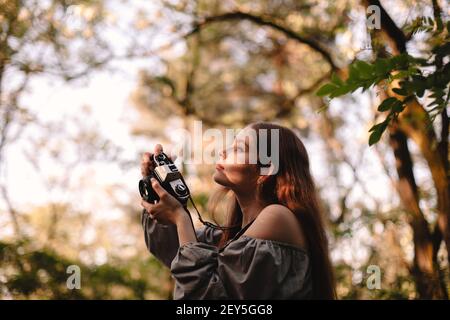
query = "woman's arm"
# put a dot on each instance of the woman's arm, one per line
(170, 211)
(161, 240)
(186, 232)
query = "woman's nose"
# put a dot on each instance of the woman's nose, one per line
(223, 154)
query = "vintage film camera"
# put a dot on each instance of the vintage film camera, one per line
(170, 179)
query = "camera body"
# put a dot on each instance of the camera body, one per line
(168, 176)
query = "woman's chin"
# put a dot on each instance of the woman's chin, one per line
(219, 179)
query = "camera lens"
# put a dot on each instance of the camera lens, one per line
(143, 190)
(146, 190)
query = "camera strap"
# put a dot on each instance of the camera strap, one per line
(240, 233)
(207, 223)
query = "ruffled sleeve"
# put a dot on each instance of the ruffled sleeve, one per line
(247, 268)
(162, 240)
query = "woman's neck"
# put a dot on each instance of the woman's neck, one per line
(250, 207)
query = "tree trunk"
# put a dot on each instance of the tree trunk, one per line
(413, 123)
(425, 267)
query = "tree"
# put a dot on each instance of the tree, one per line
(57, 38)
(402, 81)
(246, 62)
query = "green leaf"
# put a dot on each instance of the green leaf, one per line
(397, 106)
(377, 132)
(336, 80)
(400, 61)
(353, 74)
(387, 104)
(367, 85)
(382, 66)
(439, 24)
(326, 89)
(419, 85)
(375, 127)
(342, 90)
(400, 91)
(364, 69)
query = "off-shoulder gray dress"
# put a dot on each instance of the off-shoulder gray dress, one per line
(247, 268)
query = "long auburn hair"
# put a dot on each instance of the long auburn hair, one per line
(293, 187)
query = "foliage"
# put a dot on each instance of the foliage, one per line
(227, 73)
(41, 273)
(410, 73)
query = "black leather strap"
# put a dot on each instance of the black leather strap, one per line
(240, 233)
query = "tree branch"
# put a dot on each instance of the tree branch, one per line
(237, 15)
(437, 11)
(443, 144)
(394, 34)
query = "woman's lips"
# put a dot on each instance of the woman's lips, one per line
(219, 167)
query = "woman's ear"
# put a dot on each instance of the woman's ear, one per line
(261, 180)
(265, 173)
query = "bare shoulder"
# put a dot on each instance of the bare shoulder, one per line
(277, 223)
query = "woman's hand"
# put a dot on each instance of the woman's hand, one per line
(147, 164)
(168, 210)
(146, 160)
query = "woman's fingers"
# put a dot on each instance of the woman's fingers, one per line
(147, 160)
(146, 157)
(148, 207)
(146, 163)
(158, 149)
(158, 189)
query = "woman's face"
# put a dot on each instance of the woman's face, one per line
(236, 168)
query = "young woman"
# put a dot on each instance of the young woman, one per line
(278, 249)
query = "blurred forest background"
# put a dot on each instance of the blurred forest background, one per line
(87, 86)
